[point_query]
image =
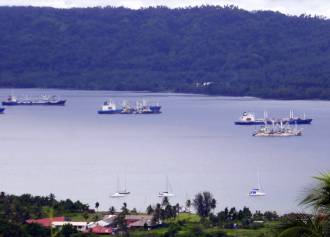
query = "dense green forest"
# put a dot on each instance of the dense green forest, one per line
(240, 53)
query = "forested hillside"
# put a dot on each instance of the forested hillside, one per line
(240, 53)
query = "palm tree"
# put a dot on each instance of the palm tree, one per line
(188, 205)
(300, 225)
(112, 210)
(319, 196)
(97, 204)
(316, 225)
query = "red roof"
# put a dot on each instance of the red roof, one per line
(45, 222)
(101, 230)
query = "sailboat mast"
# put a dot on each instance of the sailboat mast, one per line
(118, 184)
(125, 180)
(166, 185)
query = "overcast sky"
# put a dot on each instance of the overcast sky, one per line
(295, 7)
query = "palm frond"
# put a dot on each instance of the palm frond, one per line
(319, 196)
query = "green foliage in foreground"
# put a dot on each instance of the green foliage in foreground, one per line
(188, 225)
(263, 53)
(316, 225)
(226, 223)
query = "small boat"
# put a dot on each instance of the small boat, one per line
(255, 192)
(2, 110)
(277, 130)
(121, 193)
(248, 118)
(166, 193)
(43, 100)
(109, 107)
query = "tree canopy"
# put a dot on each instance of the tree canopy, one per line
(211, 50)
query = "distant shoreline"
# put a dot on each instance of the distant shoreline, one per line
(165, 92)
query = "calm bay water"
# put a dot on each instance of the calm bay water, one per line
(75, 153)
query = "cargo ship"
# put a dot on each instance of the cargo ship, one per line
(109, 107)
(142, 107)
(43, 100)
(297, 120)
(248, 118)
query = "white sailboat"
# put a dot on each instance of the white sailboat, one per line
(168, 192)
(256, 192)
(120, 192)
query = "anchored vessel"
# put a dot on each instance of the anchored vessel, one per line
(255, 192)
(109, 107)
(277, 130)
(120, 193)
(142, 107)
(297, 120)
(2, 110)
(42, 100)
(248, 118)
(166, 193)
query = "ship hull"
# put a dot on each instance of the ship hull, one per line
(277, 135)
(249, 123)
(155, 109)
(58, 103)
(109, 112)
(149, 112)
(300, 121)
(269, 122)
(291, 121)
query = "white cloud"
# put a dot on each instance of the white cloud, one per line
(296, 7)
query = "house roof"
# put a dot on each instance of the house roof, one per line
(139, 223)
(138, 220)
(109, 218)
(138, 217)
(101, 230)
(46, 222)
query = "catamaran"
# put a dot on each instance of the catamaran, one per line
(166, 193)
(255, 192)
(120, 193)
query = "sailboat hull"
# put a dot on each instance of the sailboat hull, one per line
(119, 195)
(166, 195)
(258, 194)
